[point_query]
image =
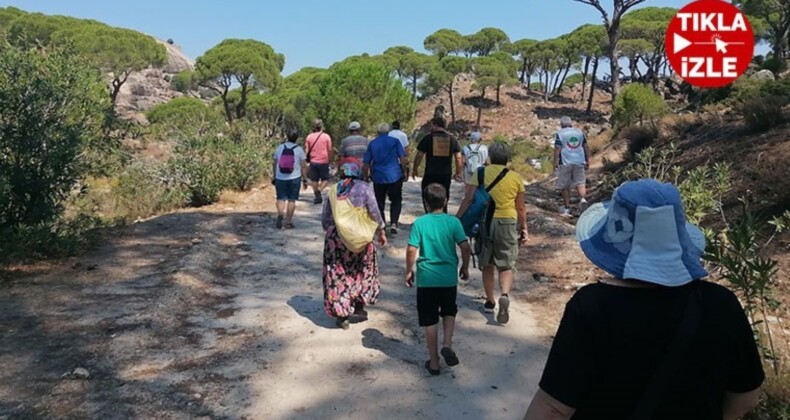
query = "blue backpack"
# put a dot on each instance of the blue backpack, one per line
(481, 211)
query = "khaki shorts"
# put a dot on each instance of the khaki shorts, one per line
(569, 176)
(501, 247)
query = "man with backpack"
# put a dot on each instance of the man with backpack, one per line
(290, 162)
(494, 214)
(475, 155)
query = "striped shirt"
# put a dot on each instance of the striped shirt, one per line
(354, 146)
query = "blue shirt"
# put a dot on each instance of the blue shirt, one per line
(383, 157)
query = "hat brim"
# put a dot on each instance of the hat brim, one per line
(594, 219)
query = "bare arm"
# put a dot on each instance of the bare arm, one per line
(404, 161)
(459, 166)
(366, 172)
(521, 208)
(417, 162)
(411, 258)
(466, 254)
(545, 407)
(736, 405)
(467, 201)
(556, 163)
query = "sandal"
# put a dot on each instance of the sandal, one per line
(433, 372)
(279, 222)
(359, 310)
(289, 225)
(449, 356)
(343, 323)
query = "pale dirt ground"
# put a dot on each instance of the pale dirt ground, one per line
(212, 313)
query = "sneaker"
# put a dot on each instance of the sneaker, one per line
(503, 316)
(393, 229)
(489, 307)
(565, 212)
(582, 205)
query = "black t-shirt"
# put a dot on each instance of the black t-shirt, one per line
(440, 149)
(611, 340)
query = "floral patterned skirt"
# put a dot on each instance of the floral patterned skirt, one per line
(348, 278)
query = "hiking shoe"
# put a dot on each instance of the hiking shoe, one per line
(503, 316)
(489, 307)
(582, 205)
(449, 356)
(565, 212)
(393, 229)
(279, 223)
(343, 323)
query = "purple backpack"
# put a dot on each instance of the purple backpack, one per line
(287, 160)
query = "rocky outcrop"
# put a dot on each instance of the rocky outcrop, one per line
(150, 87)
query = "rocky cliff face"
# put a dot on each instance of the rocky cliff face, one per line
(150, 87)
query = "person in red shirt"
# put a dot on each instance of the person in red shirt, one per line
(318, 145)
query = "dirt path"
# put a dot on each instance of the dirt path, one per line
(214, 313)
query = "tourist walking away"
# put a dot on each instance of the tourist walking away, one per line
(400, 135)
(355, 145)
(439, 149)
(289, 165)
(435, 236)
(351, 220)
(571, 161)
(475, 155)
(504, 228)
(319, 154)
(385, 164)
(653, 341)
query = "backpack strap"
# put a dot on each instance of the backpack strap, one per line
(310, 149)
(499, 177)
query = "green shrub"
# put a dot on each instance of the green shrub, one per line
(206, 166)
(51, 108)
(184, 117)
(774, 64)
(537, 86)
(184, 82)
(142, 190)
(638, 103)
(574, 79)
(762, 113)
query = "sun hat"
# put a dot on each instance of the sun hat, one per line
(642, 234)
(475, 136)
(354, 126)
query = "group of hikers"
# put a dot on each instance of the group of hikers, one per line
(652, 340)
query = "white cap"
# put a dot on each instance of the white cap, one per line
(354, 126)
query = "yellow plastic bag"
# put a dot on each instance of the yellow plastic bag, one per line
(354, 225)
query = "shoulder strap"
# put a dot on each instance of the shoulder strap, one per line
(310, 149)
(499, 177)
(664, 374)
(481, 176)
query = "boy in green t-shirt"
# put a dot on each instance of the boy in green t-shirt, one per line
(435, 236)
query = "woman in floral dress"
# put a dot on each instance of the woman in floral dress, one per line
(351, 280)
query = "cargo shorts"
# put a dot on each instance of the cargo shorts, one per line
(570, 176)
(501, 246)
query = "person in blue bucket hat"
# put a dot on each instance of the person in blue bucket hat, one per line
(654, 340)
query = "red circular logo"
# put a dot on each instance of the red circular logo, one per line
(710, 43)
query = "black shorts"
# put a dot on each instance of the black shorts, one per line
(435, 301)
(318, 172)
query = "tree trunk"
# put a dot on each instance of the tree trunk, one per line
(523, 71)
(614, 65)
(546, 86)
(452, 104)
(241, 107)
(592, 84)
(117, 82)
(584, 76)
(414, 87)
(226, 105)
(529, 83)
(632, 68)
(498, 88)
(480, 108)
(564, 76)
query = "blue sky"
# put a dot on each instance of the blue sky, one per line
(319, 33)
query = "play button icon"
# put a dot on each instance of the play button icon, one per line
(680, 43)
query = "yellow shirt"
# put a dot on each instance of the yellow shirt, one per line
(505, 192)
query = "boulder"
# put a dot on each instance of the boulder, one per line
(764, 75)
(176, 60)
